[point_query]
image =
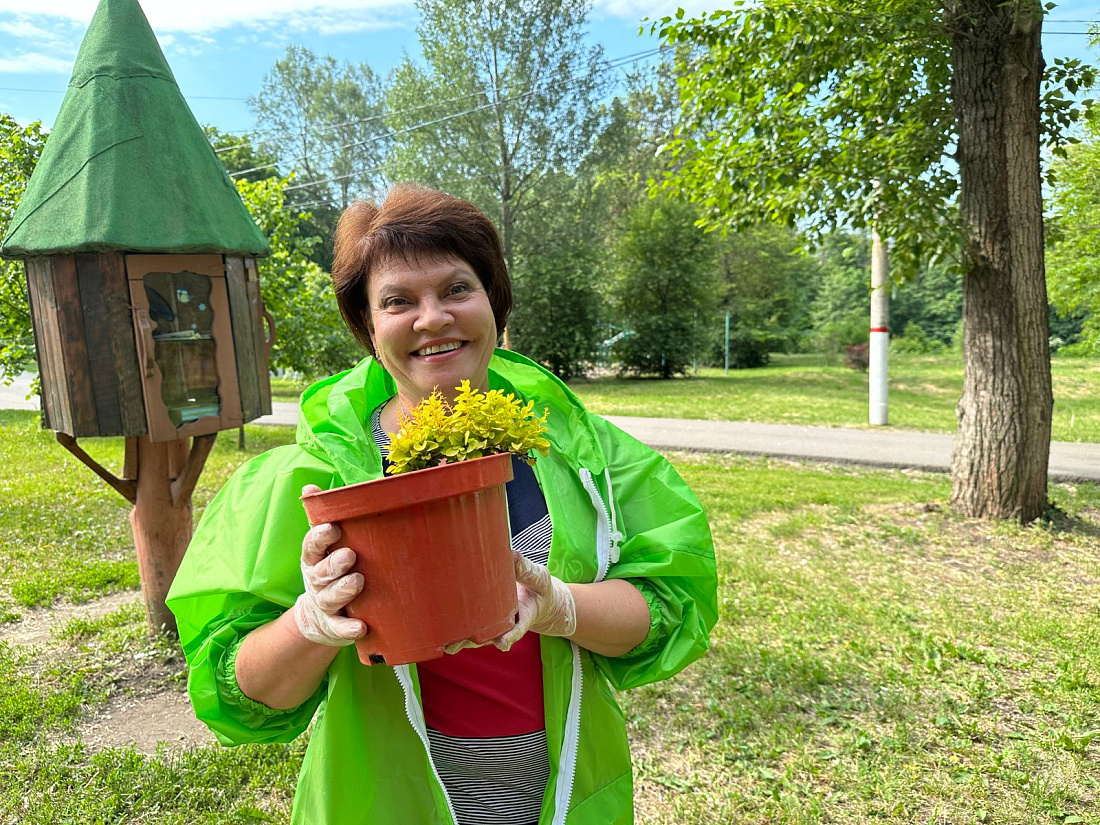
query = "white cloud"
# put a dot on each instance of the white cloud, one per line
(26, 30)
(205, 16)
(35, 62)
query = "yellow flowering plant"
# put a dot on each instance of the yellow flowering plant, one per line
(477, 424)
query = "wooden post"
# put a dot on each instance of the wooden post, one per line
(161, 518)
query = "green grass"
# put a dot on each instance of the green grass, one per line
(878, 660)
(804, 390)
(63, 532)
(287, 389)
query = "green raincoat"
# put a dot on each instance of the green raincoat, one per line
(619, 511)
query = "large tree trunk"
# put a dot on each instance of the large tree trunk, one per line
(999, 466)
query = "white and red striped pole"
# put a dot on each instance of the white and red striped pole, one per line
(879, 403)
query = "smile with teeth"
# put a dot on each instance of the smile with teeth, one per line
(452, 345)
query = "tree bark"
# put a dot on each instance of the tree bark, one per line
(999, 465)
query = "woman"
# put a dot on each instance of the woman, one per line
(614, 562)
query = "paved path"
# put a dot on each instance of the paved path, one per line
(875, 448)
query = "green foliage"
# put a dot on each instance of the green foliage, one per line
(556, 316)
(512, 93)
(20, 147)
(310, 336)
(240, 156)
(664, 289)
(766, 281)
(933, 301)
(1073, 259)
(826, 116)
(831, 117)
(477, 424)
(915, 341)
(841, 307)
(323, 120)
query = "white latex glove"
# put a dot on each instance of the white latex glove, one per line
(546, 605)
(319, 611)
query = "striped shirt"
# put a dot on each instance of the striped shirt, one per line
(484, 708)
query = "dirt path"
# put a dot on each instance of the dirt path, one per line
(144, 722)
(36, 627)
(132, 717)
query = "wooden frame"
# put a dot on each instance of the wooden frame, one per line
(87, 357)
(161, 427)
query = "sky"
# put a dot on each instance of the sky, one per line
(220, 50)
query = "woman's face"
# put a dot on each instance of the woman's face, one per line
(433, 325)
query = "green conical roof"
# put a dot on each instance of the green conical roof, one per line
(126, 166)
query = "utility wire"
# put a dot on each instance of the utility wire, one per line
(491, 104)
(614, 63)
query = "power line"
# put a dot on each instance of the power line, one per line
(615, 63)
(618, 63)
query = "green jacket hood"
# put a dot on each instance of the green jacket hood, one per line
(333, 417)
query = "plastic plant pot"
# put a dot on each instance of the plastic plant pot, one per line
(435, 550)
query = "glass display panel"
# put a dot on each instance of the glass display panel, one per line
(183, 343)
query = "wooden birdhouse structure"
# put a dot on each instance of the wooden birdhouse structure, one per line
(141, 273)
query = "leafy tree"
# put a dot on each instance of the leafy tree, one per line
(239, 154)
(1072, 260)
(665, 287)
(925, 120)
(20, 147)
(324, 121)
(932, 303)
(557, 308)
(310, 336)
(766, 286)
(504, 109)
(841, 305)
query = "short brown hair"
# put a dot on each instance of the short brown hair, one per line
(414, 222)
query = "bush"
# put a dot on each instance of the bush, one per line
(915, 341)
(857, 357)
(665, 288)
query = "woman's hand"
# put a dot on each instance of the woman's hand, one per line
(318, 612)
(546, 604)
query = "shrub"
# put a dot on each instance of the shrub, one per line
(476, 425)
(857, 357)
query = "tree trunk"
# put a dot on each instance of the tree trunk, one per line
(999, 466)
(161, 518)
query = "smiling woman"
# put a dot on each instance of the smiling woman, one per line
(614, 564)
(427, 312)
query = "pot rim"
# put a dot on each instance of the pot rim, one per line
(380, 495)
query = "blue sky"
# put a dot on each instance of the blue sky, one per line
(221, 49)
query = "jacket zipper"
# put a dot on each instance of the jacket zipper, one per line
(607, 551)
(607, 536)
(416, 718)
(567, 764)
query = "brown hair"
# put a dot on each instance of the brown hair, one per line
(414, 222)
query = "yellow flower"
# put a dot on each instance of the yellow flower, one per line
(477, 424)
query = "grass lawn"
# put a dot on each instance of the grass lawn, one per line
(877, 660)
(805, 390)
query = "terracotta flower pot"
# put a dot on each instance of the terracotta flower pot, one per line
(435, 549)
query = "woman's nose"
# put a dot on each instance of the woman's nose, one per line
(432, 316)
